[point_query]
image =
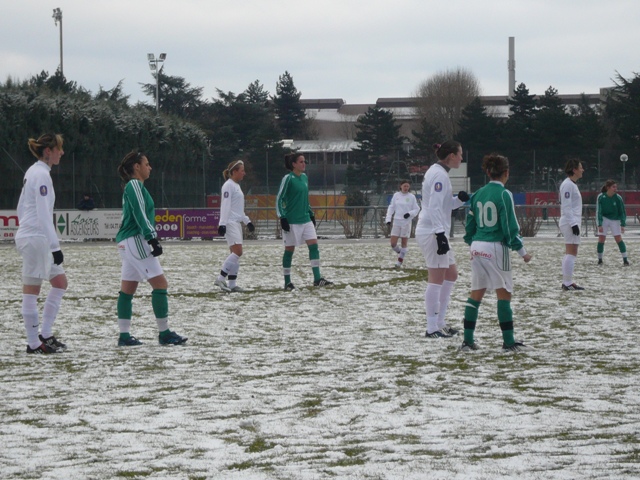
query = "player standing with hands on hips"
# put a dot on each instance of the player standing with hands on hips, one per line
(297, 220)
(611, 216)
(492, 230)
(570, 220)
(38, 244)
(403, 208)
(432, 231)
(230, 226)
(139, 248)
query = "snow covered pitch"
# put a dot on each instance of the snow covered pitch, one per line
(325, 383)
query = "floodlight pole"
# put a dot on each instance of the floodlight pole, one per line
(153, 66)
(57, 17)
(623, 158)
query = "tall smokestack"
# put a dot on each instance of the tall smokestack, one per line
(511, 66)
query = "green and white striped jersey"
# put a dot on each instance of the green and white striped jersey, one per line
(138, 212)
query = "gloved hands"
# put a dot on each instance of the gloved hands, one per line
(463, 196)
(58, 257)
(250, 227)
(313, 219)
(443, 243)
(284, 223)
(575, 229)
(156, 249)
(222, 230)
(407, 215)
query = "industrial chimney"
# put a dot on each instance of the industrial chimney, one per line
(511, 66)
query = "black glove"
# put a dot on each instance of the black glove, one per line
(284, 223)
(575, 229)
(313, 219)
(443, 243)
(407, 215)
(463, 196)
(222, 230)
(250, 227)
(156, 249)
(58, 257)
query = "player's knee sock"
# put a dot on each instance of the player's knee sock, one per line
(287, 258)
(445, 297)
(125, 310)
(470, 317)
(600, 250)
(50, 310)
(403, 252)
(505, 317)
(232, 266)
(314, 260)
(568, 264)
(432, 305)
(160, 304)
(396, 248)
(30, 318)
(623, 248)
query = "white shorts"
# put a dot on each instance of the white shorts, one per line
(233, 236)
(37, 260)
(137, 262)
(569, 237)
(403, 230)
(298, 234)
(610, 225)
(429, 248)
(490, 266)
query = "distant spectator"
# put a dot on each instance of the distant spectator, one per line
(86, 203)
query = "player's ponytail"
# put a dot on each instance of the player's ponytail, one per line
(48, 140)
(235, 165)
(125, 169)
(495, 165)
(447, 148)
(607, 185)
(290, 158)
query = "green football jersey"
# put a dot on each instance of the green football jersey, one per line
(292, 201)
(611, 208)
(138, 212)
(492, 217)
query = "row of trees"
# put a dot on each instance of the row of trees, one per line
(538, 136)
(189, 143)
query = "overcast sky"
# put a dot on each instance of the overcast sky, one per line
(357, 50)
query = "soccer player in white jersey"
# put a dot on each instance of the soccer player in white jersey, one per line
(570, 220)
(611, 216)
(38, 244)
(492, 230)
(432, 232)
(139, 249)
(232, 217)
(403, 208)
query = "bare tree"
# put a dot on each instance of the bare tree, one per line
(441, 98)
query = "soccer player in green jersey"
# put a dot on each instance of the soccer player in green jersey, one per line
(139, 248)
(611, 216)
(297, 220)
(492, 230)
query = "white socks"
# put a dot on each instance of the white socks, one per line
(50, 310)
(432, 305)
(568, 265)
(30, 318)
(445, 297)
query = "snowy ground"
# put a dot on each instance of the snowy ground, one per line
(325, 383)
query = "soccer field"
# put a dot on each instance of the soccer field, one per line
(325, 383)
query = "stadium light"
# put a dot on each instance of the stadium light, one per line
(624, 158)
(57, 17)
(153, 66)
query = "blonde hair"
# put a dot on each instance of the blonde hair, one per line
(48, 140)
(235, 165)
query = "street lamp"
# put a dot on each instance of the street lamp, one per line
(153, 65)
(57, 17)
(623, 158)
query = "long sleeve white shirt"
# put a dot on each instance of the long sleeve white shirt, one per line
(232, 204)
(401, 204)
(570, 203)
(35, 207)
(437, 202)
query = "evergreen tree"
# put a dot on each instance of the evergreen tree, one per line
(519, 128)
(623, 111)
(379, 144)
(479, 132)
(423, 141)
(289, 112)
(590, 129)
(554, 126)
(176, 96)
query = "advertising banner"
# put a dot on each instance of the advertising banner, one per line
(187, 222)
